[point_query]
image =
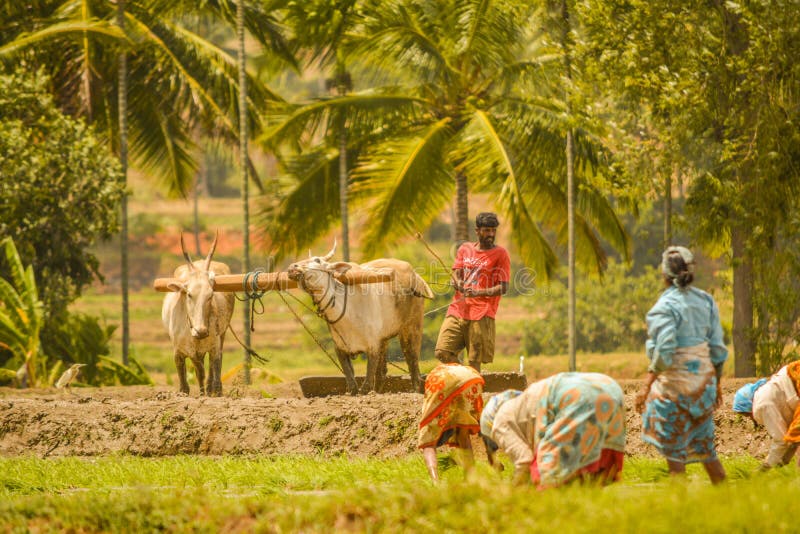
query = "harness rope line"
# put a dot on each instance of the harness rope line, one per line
(318, 342)
(249, 350)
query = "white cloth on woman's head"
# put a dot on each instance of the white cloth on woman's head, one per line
(684, 252)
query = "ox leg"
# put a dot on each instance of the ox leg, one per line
(211, 380)
(349, 374)
(376, 369)
(180, 365)
(218, 367)
(200, 372)
(411, 345)
(214, 384)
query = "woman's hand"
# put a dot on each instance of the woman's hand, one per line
(641, 398)
(522, 475)
(718, 401)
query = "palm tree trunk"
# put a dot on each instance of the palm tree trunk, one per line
(668, 211)
(196, 211)
(571, 250)
(86, 75)
(243, 169)
(343, 175)
(570, 153)
(743, 346)
(122, 109)
(462, 208)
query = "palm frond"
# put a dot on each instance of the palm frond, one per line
(599, 212)
(260, 19)
(68, 30)
(407, 181)
(485, 158)
(493, 32)
(161, 146)
(309, 209)
(365, 111)
(395, 49)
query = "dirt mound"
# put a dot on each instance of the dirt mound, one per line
(157, 421)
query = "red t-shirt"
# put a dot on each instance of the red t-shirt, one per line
(480, 269)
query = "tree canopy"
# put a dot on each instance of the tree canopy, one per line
(60, 190)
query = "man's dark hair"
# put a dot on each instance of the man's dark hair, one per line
(486, 219)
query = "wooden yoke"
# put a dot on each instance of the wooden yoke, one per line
(231, 283)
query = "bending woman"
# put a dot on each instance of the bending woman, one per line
(451, 409)
(775, 404)
(686, 353)
(568, 427)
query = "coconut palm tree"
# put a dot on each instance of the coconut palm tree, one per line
(180, 83)
(179, 80)
(320, 33)
(464, 99)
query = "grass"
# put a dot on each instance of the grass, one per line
(202, 494)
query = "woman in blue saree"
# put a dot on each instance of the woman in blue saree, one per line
(686, 353)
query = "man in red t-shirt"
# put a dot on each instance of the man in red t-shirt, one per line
(481, 274)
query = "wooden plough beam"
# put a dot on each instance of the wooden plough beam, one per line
(231, 283)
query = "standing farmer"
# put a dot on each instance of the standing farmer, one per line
(775, 403)
(481, 271)
(686, 353)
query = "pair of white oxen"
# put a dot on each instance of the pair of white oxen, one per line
(361, 318)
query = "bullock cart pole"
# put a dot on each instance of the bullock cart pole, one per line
(231, 283)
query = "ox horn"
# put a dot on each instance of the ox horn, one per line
(211, 251)
(329, 255)
(186, 254)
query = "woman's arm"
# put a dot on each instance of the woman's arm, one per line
(770, 416)
(662, 323)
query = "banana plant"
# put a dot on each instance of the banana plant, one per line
(21, 312)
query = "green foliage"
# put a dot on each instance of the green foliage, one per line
(60, 192)
(715, 87)
(457, 89)
(611, 313)
(79, 338)
(292, 494)
(776, 287)
(20, 315)
(179, 83)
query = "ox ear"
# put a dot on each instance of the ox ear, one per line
(212, 278)
(177, 287)
(339, 268)
(211, 251)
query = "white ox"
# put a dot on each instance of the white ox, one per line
(363, 318)
(196, 319)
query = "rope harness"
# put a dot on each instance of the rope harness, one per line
(252, 294)
(331, 301)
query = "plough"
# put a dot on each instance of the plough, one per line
(321, 386)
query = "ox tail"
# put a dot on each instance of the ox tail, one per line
(420, 287)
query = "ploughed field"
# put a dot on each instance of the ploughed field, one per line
(275, 420)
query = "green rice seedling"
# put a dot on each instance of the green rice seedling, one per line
(315, 494)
